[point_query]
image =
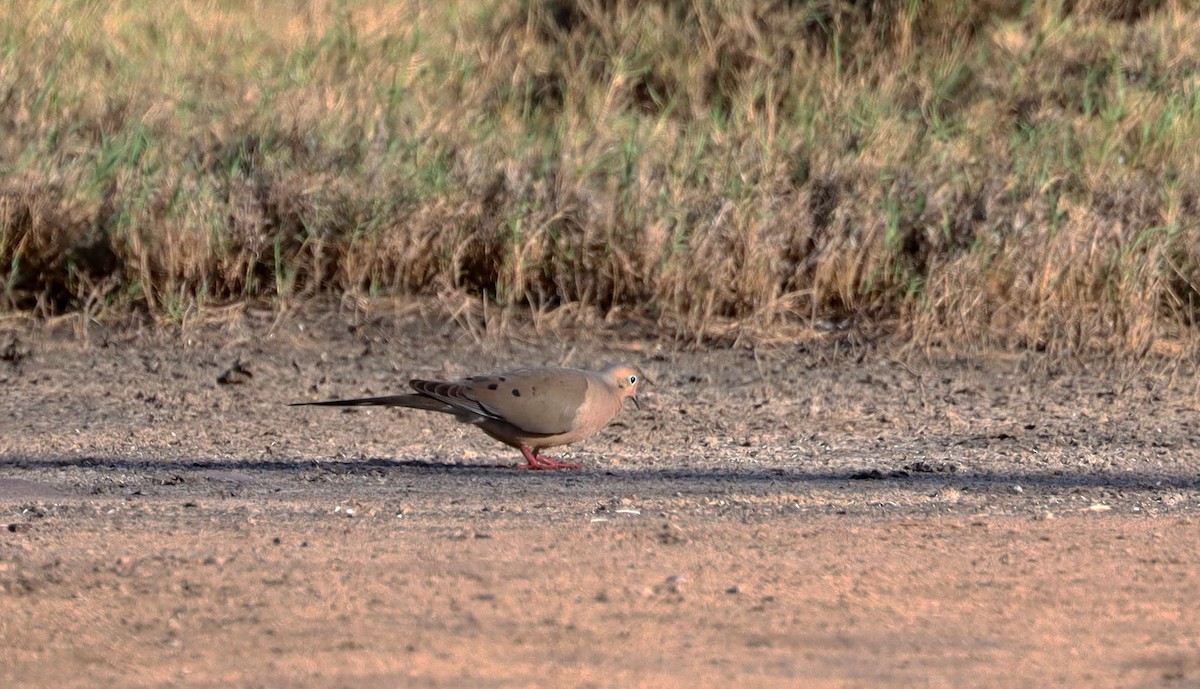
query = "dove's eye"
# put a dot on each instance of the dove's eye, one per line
(633, 380)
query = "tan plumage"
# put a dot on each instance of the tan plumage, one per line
(530, 409)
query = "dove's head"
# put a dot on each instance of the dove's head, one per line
(625, 379)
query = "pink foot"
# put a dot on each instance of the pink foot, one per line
(537, 462)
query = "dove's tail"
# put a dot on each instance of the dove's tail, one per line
(411, 400)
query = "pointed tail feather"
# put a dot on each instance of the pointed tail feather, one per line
(410, 400)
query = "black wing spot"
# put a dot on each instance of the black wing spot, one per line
(492, 386)
(516, 392)
(503, 379)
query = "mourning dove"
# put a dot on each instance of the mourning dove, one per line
(530, 409)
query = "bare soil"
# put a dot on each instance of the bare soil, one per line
(805, 514)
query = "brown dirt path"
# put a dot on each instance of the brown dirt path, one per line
(775, 518)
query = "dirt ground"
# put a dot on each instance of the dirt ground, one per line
(786, 515)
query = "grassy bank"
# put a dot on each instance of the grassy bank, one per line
(1013, 174)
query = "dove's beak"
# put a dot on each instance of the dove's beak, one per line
(635, 401)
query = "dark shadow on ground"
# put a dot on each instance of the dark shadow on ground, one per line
(674, 479)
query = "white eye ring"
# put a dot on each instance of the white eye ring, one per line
(633, 380)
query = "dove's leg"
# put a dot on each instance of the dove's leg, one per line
(538, 462)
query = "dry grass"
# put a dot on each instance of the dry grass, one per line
(1009, 174)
